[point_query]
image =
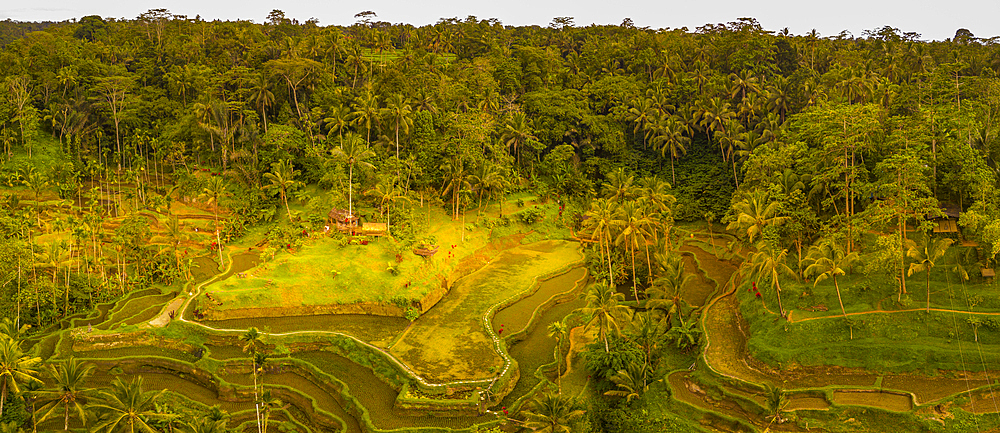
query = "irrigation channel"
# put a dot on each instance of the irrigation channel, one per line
(359, 388)
(321, 389)
(733, 399)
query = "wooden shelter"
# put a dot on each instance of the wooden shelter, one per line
(946, 227)
(374, 229)
(344, 220)
(947, 221)
(988, 273)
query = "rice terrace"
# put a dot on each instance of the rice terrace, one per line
(223, 226)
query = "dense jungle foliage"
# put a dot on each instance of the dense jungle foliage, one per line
(813, 150)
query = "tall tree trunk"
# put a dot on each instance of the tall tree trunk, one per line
(837, 286)
(928, 289)
(611, 275)
(842, 304)
(673, 174)
(635, 291)
(902, 258)
(777, 291)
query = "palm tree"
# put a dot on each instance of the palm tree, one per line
(714, 117)
(925, 255)
(755, 212)
(387, 193)
(604, 310)
(215, 189)
(599, 222)
(126, 408)
(339, 119)
(828, 261)
(252, 344)
(670, 138)
(642, 114)
(551, 413)
(399, 109)
(619, 186)
(257, 363)
(686, 336)
(776, 401)
(282, 179)
(490, 180)
(36, 182)
(655, 196)
(770, 262)
(365, 114)
(632, 223)
(268, 403)
(69, 376)
(456, 180)
(10, 330)
(355, 152)
(665, 291)
(261, 94)
(16, 367)
(517, 132)
(558, 330)
(627, 385)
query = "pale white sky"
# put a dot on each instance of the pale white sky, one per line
(934, 20)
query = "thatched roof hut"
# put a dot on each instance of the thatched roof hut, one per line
(341, 216)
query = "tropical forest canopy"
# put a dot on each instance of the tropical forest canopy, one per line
(833, 136)
(821, 155)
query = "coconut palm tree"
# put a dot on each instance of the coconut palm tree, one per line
(387, 194)
(776, 401)
(216, 188)
(456, 180)
(632, 222)
(655, 196)
(925, 255)
(552, 413)
(252, 343)
(365, 108)
(10, 330)
(754, 212)
(605, 311)
(642, 114)
(16, 368)
(558, 330)
(282, 179)
(268, 403)
(769, 262)
(398, 109)
(354, 152)
(620, 186)
(627, 385)
(36, 182)
(599, 223)
(665, 291)
(69, 390)
(261, 94)
(517, 132)
(339, 118)
(670, 139)
(126, 408)
(828, 261)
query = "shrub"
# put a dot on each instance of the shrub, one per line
(530, 216)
